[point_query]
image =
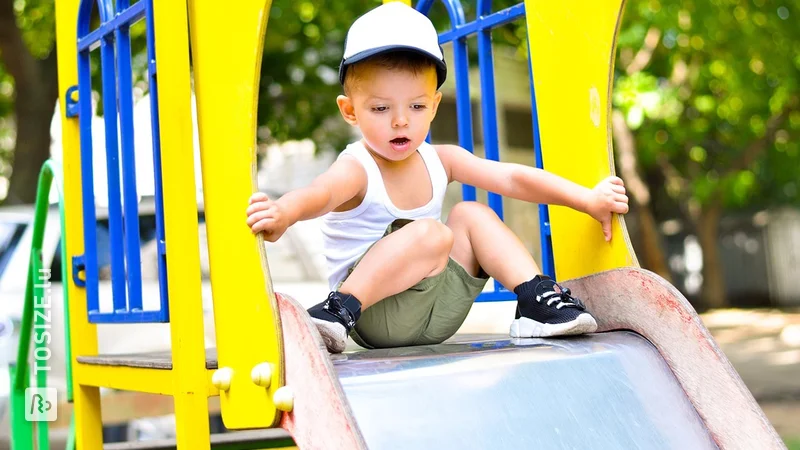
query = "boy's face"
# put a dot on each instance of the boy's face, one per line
(392, 108)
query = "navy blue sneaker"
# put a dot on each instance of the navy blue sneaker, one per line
(335, 318)
(544, 308)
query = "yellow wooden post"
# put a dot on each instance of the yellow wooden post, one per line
(181, 225)
(226, 55)
(88, 422)
(572, 57)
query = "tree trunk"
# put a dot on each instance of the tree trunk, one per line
(36, 91)
(713, 291)
(650, 241)
(649, 238)
(34, 113)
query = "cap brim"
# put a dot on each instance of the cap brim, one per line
(441, 66)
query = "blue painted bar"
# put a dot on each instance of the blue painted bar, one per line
(548, 263)
(88, 41)
(460, 30)
(123, 229)
(108, 67)
(126, 317)
(501, 17)
(131, 199)
(489, 104)
(87, 176)
(105, 10)
(159, 196)
(461, 69)
(453, 7)
(497, 295)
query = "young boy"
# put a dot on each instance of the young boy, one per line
(398, 275)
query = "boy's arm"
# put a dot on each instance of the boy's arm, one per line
(535, 185)
(343, 181)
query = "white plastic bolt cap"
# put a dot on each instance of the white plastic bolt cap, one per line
(262, 374)
(284, 399)
(222, 378)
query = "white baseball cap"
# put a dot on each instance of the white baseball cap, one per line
(390, 27)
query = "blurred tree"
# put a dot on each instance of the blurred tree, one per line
(711, 92)
(28, 91)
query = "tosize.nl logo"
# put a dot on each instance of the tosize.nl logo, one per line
(41, 404)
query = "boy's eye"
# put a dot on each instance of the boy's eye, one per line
(380, 108)
(418, 106)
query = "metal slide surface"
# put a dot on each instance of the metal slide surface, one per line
(603, 391)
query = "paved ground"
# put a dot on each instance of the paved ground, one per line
(764, 347)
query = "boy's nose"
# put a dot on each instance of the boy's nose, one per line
(400, 121)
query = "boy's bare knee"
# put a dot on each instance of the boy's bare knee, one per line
(464, 212)
(435, 236)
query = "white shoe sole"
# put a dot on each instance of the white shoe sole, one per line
(526, 328)
(333, 334)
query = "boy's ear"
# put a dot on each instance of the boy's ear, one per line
(347, 110)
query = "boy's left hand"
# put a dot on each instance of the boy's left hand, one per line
(607, 197)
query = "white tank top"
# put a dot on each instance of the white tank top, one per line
(348, 234)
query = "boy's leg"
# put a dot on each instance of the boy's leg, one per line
(482, 241)
(397, 262)
(400, 260)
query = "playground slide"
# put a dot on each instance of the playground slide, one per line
(651, 378)
(608, 391)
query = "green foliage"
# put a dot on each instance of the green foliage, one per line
(299, 70)
(722, 71)
(792, 443)
(37, 20)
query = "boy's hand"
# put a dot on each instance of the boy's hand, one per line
(607, 197)
(267, 216)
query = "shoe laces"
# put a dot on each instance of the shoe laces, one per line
(333, 304)
(562, 298)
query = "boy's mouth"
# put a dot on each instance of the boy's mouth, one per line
(400, 141)
(400, 144)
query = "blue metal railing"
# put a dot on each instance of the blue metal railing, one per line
(113, 39)
(548, 265)
(482, 27)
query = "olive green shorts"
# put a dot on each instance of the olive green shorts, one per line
(429, 312)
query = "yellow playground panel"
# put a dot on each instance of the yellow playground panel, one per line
(275, 382)
(573, 66)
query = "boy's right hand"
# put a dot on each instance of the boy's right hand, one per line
(267, 216)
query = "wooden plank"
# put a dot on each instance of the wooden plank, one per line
(124, 378)
(641, 301)
(149, 360)
(321, 417)
(269, 438)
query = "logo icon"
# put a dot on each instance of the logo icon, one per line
(41, 404)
